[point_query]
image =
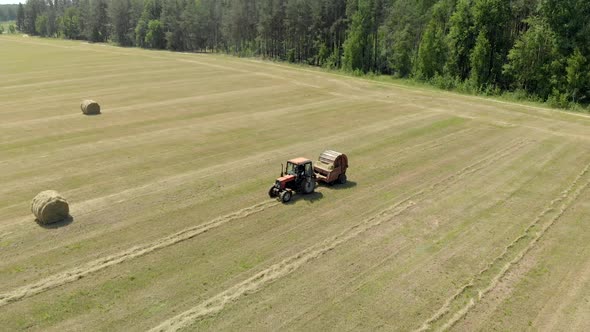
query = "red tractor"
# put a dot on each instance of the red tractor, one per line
(298, 177)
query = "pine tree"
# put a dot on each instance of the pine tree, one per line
(41, 25)
(33, 8)
(20, 18)
(578, 76)
(461, 40)
(152, 10)
(493, 17)
(98, 23)
(154, 37)
(533, 59)
(120, 16)
(480, 60)
(358, 47)
(70, 25)
(170, 18)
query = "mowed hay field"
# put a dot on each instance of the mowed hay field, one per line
(460, 213)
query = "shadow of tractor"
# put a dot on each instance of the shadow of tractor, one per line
(311, 198)
(317, 195)
(337, 186)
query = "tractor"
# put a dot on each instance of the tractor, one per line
(298, 177)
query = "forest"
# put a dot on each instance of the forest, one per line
(537, 50)
(8, 12)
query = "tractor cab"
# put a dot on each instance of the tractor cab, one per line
(298, 176)
(300, 167)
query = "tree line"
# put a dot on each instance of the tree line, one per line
(8, 12)
(538, 49)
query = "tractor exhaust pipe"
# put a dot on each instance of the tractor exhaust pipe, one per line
(282, 170)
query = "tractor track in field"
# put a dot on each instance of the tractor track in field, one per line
(87, 149)
(54, 98)
(191, 60)
(430, 144)
(72, 275)
(158, 185)
(571, 290)
(104, 76)
(347, 290)
(142, 106)
(402, 154)
(485, 280)
(446, 139)
(276, 271)
(139, 138)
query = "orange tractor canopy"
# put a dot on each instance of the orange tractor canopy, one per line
(298, 177)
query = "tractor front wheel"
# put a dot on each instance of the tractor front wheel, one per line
(272, 192)
(286, 196)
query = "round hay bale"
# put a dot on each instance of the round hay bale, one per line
(90, 107)
(50, 207)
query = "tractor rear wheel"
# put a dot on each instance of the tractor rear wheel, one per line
(342, 179)
(308, 186)
(285, 196)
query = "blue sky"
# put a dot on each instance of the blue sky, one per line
(5, 2)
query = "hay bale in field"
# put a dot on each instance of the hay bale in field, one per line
(50, 207)
(90, 107)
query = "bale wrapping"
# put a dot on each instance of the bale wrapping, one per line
(90, 107)
(50, 207)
